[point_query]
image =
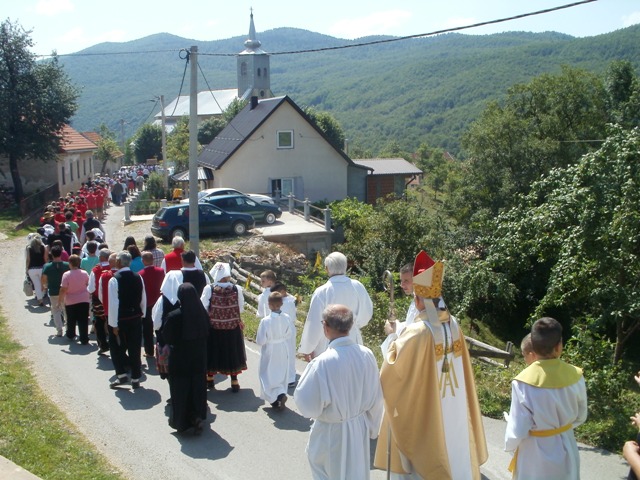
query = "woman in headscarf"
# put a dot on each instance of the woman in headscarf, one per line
(224, 302)
(186, 330)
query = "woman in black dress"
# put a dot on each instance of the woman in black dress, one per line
(186, 330)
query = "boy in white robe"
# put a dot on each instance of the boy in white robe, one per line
(341, 391)
(289, 307)
(267, 280)
(273, 337)
(393, 329)
(548, 400)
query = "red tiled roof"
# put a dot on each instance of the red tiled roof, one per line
(74, 141)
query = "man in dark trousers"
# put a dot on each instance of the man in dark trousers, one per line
(152, 277)
(127, 306)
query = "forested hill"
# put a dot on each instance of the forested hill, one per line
(409, 91)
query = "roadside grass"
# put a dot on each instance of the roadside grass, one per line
(34, 433)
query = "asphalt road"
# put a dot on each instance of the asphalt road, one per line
(244, 438)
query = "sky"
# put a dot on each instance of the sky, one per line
(68, 26)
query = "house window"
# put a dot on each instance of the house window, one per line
(64, 180)
(78, 169)
(265, 72)
(258, 72)
(243, 69)
(84, 167)
(285, 138)
(71, 171)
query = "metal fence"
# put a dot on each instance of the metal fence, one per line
(38, 200)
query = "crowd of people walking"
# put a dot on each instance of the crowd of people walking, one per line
(139, 301)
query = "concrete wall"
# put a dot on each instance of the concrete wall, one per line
(319, 172)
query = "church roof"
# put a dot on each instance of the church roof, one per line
(389, 166)
(210, 102)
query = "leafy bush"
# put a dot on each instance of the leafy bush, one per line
(155, 186)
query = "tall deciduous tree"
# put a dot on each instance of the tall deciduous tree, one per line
(36, 100)
(329, 126)
(577, 236)
(108, 150)
(148, 143)
(550, 122)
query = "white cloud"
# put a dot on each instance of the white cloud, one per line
(631, 19)
(53, 7)
(377, 23)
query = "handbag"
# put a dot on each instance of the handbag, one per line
(27, 286)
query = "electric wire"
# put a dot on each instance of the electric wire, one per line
(216, 100)
(354, 45)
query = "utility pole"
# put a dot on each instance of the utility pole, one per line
(194, 214)
(165, 183)
(124, 150)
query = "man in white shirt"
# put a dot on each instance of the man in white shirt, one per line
(340, 390)
(339, 289)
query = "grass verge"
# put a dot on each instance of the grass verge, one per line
(34, 433)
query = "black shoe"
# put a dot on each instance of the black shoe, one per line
(211, 384)
(135, 384)
(276, 405)
(282, 399)
(103, 350)
(292, 384)
(119, 382)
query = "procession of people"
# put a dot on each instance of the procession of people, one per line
(421, 403)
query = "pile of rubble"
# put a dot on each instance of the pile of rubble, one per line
(255, 250)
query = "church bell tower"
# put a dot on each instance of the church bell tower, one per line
(254, 73)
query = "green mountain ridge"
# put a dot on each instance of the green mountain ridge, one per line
(410, 91)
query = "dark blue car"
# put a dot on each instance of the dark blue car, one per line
(261, 212)
(174, 220)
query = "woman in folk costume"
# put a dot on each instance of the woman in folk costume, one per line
(224, 302)
(186, 330)
(432, 413)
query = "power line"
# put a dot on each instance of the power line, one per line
(216, 100)
(428, 34)
(354, 45)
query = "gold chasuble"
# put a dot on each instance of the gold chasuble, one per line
(431, 406)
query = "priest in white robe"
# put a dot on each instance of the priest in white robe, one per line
(340, 391)
(339, 289)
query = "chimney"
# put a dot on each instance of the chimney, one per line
(254, 102)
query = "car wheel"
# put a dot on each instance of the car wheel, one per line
(239, 228)
(179, 232)
(270, 218)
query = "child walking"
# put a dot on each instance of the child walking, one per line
(289, 307)
(267, 280)
(273, 336)
(548, 400)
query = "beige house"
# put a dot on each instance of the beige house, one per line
(72, 167)
(272, 147)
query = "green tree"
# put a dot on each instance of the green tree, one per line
(233, 109)
(108, 150)
(210, 129)
(148, 143)
(329, 126)
(178, 144)
(572, 247)
(550, 122)
(36, 99)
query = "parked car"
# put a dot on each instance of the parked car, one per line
(214, 192)
(174, 220)
(261, 212)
